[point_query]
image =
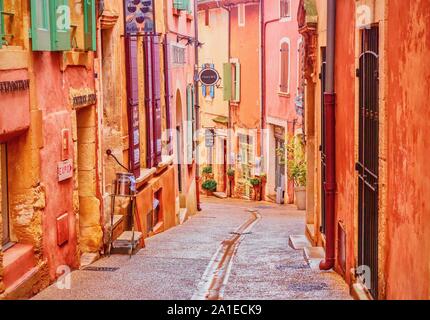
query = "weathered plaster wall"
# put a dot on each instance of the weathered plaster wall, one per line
(408, 208)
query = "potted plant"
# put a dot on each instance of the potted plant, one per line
(255, 183)
(210, 186)
(230, 174)
(207, 172)
(263, 178)
(297, 171)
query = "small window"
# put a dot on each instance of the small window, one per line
(10, 23)
(232, 78)
(182, 5)
(4, 207)
(178, 54)
(241, 13)
(285, 8)
(284, 85)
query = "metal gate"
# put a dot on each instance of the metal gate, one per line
(368, 161)
(323, 142)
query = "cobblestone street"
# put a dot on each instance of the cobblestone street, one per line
(173, 263)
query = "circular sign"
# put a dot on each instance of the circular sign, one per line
(209, 76)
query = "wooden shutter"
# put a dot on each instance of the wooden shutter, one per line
(204, 91)
(237, 83)
(227, 81)
(189, 126)
(156, 77)
(285, 53)
(40, 25)
(149, 105)
(60, 25)
(181, 4)
(90, 25)
(133, 104)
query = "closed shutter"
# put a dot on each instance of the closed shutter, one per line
(227, 81)
(156, 99)
(1, 24)
(181, 4)
(90, 25)
(40, 25)
(189, 125)
(204, 91)
(133, 104)
(237, 83)
(149, 105)
(60, 25)
(285, 56)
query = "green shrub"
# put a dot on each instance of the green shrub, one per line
(207, 170)
(230, 172)
(255, 182)
(209, 185)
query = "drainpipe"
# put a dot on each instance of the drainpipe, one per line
(329, 109)
(197, 105)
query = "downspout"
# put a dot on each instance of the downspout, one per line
(197, 105)
(329, 109)
(263, 72)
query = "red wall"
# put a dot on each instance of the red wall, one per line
(345, 110)
(408, 220)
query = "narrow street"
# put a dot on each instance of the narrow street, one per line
(177, 264)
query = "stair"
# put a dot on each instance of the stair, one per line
(118, 226)
(182, 215)
(220, 195)
(299, 242)
(17, 262)
(313, 256)
(122, 244)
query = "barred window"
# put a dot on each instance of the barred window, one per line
(285, 8)
(178, 55)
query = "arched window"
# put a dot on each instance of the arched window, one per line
(284, 85)
(285, 9)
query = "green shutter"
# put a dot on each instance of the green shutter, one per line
(40, 25)
(181, 4)
(1, 24)
(90, 25)
(227, 81)
(60, 25)
(237, 83)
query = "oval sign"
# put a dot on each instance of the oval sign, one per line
(209, 76)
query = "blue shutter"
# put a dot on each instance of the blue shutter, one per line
(40, 25)
(212, 89)
(204, 92)
(60, 34)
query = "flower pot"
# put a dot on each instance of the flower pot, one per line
(209, 193)
(300, 194)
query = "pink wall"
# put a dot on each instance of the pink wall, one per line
(280, 106)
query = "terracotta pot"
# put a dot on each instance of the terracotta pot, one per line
(209, 193)
(300, 194)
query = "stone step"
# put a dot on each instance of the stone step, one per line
(117, 219)
(299, 242)
(17, 261)
(88, 258)
(313, 256)
(220, 195)
(182, 215)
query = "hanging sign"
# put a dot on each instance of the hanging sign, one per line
(139, 16)
(209, 76)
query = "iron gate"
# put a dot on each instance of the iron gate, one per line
(368, 161)
(323, 142)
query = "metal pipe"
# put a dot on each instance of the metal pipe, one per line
(330, 118)
(197, 105)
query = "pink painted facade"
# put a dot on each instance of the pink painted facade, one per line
(283, 89)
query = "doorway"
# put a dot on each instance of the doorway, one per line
(179, 139)
(4, 207)
(323, 141)
(368, 159)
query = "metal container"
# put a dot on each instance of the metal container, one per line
(123, 183)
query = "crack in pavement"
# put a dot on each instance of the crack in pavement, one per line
(215, 278)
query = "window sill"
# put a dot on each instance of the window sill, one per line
(284, 94)
(285, 19)
(176, 12)
(190, 17)
(234, 103)
(13, 57)
(76, 58)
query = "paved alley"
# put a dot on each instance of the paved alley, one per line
(173, 263)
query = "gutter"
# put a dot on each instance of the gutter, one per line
(329, 110)
(197, 105)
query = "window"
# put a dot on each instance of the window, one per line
(285, 9)
(10, 23)
(4, 208)
(284, 85)
(52, 28)
(232, 77)
(241, 13)
(178, 54)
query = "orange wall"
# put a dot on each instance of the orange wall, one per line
(345, 109)
(245, 45)
(408, 221)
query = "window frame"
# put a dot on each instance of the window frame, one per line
(283, 41)
(241, 14)
(4, 196)
(2, 23)
(282, 4)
